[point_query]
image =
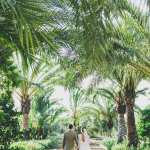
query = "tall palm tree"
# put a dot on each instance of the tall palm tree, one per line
(118, 99)
(78, 104)
(118, 76)
(33, 78)
(110, 37)
(104, 109)
(46, 111)
(128, 80)
(129, 92)
(134, 37)
(121, 110)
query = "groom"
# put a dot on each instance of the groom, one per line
(70, 139)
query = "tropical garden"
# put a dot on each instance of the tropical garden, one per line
(46, 45)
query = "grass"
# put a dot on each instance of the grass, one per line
(36, 144)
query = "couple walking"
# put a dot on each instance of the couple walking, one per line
(72, 141)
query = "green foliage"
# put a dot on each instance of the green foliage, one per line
(78, 105)
(45, 114)
(8, 71)
(120, 147)
(53, 144)
(36, 144)
(8, 78)
(9, 125)
(18, 147)
(23, 26)
(104, 109)
(124, 146)
(144, 147)
(32, 145)
(144, 124)
(105, 34)
(35, 76)
(109, 143)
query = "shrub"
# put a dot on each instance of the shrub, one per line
(144, 125)
(27, 145)
(108, 143)
(52, 144)
(145, 147)
(36, 144)
(120, 147)
(124, 146)
(9, 125)
(17, 148)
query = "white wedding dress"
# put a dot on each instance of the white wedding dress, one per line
(84, 145)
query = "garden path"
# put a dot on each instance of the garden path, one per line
(96, 144)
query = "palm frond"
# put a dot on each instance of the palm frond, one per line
(27, 26)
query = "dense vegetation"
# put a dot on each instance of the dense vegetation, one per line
(46, 44)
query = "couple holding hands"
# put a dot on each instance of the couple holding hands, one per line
(74, 141)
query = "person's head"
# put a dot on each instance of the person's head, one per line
(70, 126)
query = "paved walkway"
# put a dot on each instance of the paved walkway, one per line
(95, 145)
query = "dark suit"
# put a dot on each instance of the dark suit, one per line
(70, 140)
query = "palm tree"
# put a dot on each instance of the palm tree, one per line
(46, 111)
(129, 92)
(118, 99)
(33, 78)
(134, 33)
(99, 48)
(120, 104)
(104, 108)
(121, 110)
(105, 42)
(78, 105)
(128, 80)
(95, 29)
(134, 39)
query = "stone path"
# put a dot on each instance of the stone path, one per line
(95, 145)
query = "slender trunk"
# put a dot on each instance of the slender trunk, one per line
(25, 109)
(122, 130)
(121, 110)
(75, 120)
(25, 121)
(132, 133)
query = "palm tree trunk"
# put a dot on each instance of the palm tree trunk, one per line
(132, 133)
(25, 109)
(75, 119)
(121, 110)
(25, 121)
(122, 130)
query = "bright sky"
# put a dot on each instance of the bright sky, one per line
(141, 4)
(142, 101)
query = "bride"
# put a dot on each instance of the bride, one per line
(84, 140)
